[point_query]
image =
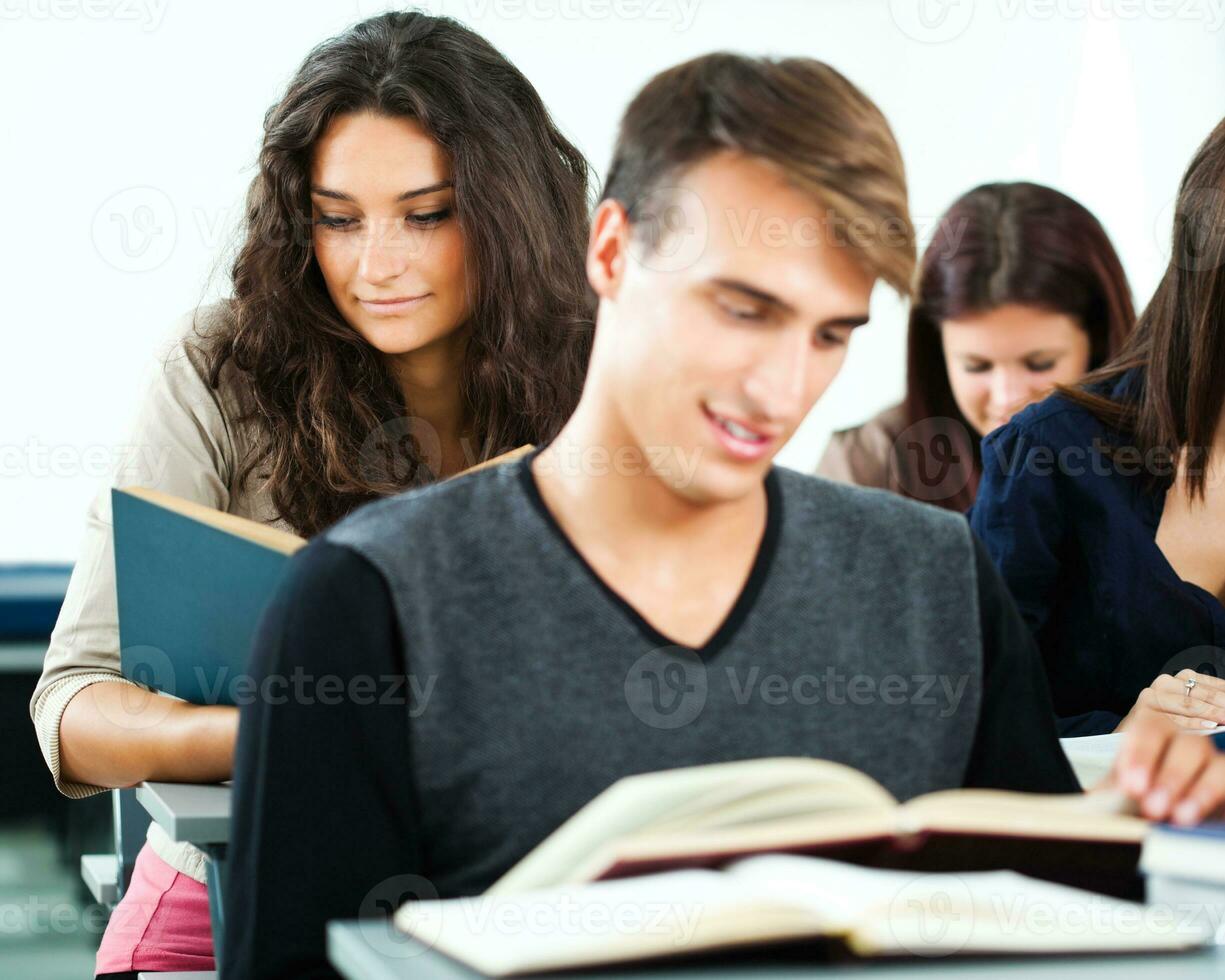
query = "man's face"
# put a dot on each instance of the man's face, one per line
(713, 346)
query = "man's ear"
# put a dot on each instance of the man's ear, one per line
(607, 248)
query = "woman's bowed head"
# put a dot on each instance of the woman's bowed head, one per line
(442, 279)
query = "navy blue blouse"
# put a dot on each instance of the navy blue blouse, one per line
(1073, 530)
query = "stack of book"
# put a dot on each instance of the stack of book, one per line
(1184, 870)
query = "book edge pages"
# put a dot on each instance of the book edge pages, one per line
(732, 927)
(271, 538)
(507, 457)
(799, 835)
(275, 539)
(526, 876)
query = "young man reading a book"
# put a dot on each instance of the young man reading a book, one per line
(648, 591)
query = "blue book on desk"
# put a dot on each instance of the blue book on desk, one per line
(1190, 853)
(192, 584)
(1184, 869)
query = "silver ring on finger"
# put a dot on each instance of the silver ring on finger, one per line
(1190, 682)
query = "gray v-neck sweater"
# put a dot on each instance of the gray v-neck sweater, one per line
(504, 685)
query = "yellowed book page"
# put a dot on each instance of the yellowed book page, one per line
(1071, 816)
(579, 848)
(242, 527)
(772, 793)
(579, 925)
(926, 914)
(849, 827)
(261, 534)
(496, 461)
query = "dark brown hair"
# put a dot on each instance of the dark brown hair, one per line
(1178, 346)
(316, 390)
(825, 135)
(996, 245)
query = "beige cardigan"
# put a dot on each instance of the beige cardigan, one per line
(184, 444)
(863, 455)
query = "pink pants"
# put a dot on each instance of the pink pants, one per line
(161, 924)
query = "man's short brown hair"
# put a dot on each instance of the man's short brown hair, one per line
(801, 115)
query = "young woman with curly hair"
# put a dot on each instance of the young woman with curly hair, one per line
(409, 300)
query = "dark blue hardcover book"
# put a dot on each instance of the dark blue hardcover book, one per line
(192, 584)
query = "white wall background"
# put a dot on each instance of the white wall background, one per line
(144, 116)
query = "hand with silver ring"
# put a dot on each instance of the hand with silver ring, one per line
(1189, 699)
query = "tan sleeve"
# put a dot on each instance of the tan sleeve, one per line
(834, 463)
(180, 445)
(863, 455)
(859, 456)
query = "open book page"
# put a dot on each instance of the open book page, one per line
(773, 898)
(689, 799)
(242, 527)
(605, 922)
(1064, 816)
(897, 912)
(769, 798)
(1092, 756)
(970, 812)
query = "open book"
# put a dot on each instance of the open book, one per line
(1092, 756)
(192, 583)
(703, 816)
(775, 899)
(715, 856)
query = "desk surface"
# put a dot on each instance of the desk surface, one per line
(372, 951)
(197, 814)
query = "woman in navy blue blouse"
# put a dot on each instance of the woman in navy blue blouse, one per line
(1104, 505)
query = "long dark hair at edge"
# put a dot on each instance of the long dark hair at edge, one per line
(1179, 342)
(998, 244)
(314, 389)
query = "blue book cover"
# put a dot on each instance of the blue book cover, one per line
(1213, 831)
(192, 584)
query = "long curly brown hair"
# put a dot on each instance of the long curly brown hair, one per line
(313, 389)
